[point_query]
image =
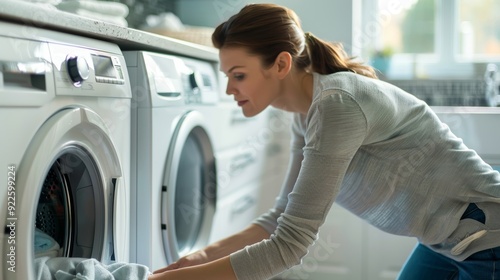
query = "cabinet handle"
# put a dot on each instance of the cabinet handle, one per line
(241, 161)
(242, 205)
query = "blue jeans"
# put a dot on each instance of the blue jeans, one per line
(425, 264)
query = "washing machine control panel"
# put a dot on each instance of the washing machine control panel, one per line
(171, 80)
(106, 69)
(81, 71)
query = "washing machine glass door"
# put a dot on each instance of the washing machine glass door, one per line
(69, 204)
(188, 196)
(64, 190)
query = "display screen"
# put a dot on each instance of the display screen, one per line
(104, 66)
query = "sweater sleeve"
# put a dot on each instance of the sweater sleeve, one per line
(269, 220)
(335, 129)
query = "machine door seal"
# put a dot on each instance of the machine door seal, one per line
(189, 188)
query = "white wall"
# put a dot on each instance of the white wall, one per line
(331, 20)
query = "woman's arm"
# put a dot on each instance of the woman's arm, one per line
(252, 234)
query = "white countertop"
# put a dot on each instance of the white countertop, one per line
(43, 16)
(466, 110)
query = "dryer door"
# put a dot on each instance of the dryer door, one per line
(64, 188)
(189, 190)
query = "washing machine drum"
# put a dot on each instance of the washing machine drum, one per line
(70, 198)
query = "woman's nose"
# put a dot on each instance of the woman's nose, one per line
(229, 89)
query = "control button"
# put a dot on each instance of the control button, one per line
(78, 69)
(116, 61)
(119, 70)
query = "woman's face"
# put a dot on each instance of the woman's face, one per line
(252, 86)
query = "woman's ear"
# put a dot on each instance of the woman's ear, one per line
(283, 64)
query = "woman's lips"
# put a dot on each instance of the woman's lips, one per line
(241, 103)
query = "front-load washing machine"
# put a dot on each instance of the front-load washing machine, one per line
(65, 147)
(174, 140)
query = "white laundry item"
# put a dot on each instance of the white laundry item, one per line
(87, 269)
(117, 20)
(51, 2)
(168, 24)
(45, 245)
(102, 7)
(166, 20)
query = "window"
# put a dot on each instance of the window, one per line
(431, 38)
(410, 28)
(479, 27)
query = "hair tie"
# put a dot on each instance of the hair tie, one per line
(309, 36)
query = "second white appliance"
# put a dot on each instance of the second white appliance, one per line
(173, 155)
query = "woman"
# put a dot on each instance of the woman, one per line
(374, 149)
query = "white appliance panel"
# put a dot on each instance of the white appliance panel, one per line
(55, 128)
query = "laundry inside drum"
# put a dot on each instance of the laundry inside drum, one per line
(53, 214)
(70, 211)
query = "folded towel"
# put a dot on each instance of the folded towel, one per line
(101, 7)
(165, 20)
(45, 245)
(87, 269)
(51, 2)
(168, 24)
(116, 20)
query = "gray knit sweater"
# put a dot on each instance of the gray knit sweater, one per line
(384, 155)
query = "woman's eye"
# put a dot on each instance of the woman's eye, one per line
(238, 77)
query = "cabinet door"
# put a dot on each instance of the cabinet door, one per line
(337, 254)
(235, 212)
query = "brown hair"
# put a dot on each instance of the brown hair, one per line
(268, 29)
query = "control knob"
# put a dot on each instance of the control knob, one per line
(195, 80)
(78, 69)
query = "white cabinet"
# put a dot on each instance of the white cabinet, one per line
(350, 249)
(235, 212)
(337, 254)
(385, 253)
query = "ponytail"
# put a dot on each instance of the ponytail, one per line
(326, 58)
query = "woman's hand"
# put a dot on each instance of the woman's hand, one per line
(196, 258)
(158, 276)
(220, 269)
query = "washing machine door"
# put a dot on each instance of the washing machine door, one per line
(66, 186)
(189, 190)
